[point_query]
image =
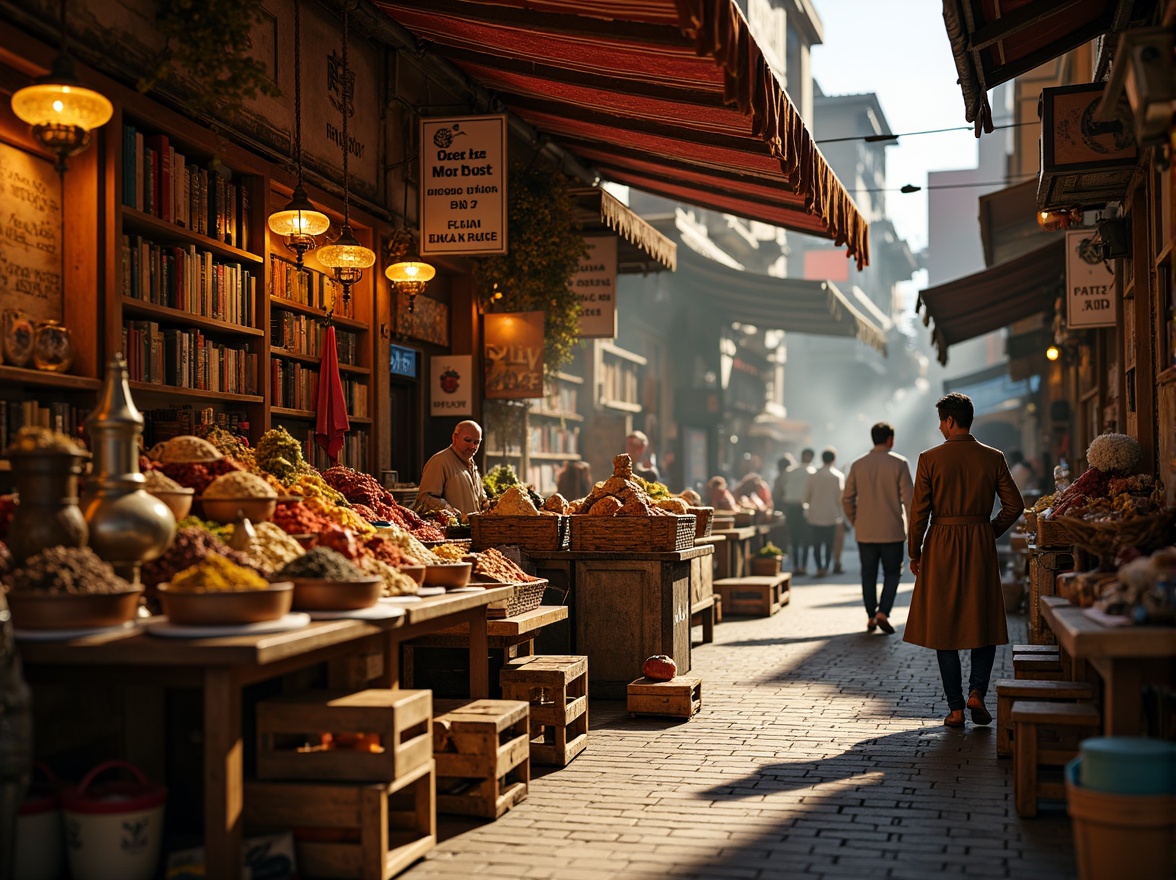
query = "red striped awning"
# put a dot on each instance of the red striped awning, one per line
(672, 97)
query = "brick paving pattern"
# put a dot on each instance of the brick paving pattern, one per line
(819, 752)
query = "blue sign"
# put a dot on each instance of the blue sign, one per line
(402, 361)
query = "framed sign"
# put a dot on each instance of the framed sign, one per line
(463, 185)
(595, 282)
(30, 235)
(451, 386)
(1090, 283)
(514, 355)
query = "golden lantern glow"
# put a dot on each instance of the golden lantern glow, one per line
(409, 274)
(1053, 353)
(61, 111)
(1054, 221)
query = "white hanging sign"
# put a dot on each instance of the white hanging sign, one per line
(463, 185)
(1090, 283)
(595, 282)
(451, 385)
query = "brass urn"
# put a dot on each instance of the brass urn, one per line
(128, 526)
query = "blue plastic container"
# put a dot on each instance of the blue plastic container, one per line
(1128, 765)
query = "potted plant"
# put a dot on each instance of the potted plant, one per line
(767, 560)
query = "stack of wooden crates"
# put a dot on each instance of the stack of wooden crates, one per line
(353, 774)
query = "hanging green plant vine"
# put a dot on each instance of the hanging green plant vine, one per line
(546, 247)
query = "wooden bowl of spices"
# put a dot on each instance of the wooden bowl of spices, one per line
(325, 580)
(69, 588)
(218, 592)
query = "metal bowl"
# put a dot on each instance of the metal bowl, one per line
(226, 607)
(317, 594)
(416, 572)
(35, 610)
(178, 501)
(229, 510)
(450, 575)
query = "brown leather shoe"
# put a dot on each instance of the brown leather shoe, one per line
(955, 718)
(980, 714)
(884, 624)
(871, 624)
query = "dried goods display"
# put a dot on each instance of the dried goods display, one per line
(158, 481)
(620, 495)
(270, 545)
(239, 484)
(493, 566)
(192, 544)
(216, 573)
(321, 563)
(184, 449)
(66, 570)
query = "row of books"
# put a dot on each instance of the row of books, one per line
(308, 287)
(160, 181)
(553, 438)
(562, 399)
(187, 279)
(59, 416)
(163, 423)
(295, 386)
(186, 359)
(354, 453)
(303, 334)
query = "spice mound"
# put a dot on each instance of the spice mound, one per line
(239, 484)
(190, 546)
(184, 449)
(320, 563)
(217, 574)
(158, 481)
(33, 439)
(66, 570)
(493, 566)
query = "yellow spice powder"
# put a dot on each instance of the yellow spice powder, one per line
(215, 573)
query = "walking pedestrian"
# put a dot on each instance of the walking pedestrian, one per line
(877, 501)
(957, 602)
(822, 498)
(796, 479)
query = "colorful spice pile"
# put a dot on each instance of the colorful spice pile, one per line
(215, 573)
(320, 563)
(66, 570)
(191, 545)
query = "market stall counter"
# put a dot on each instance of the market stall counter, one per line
(1126, 658)
(221, 667)
(626, 607)
(738, 549)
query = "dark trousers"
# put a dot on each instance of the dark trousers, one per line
(822, 545)
(952, 674)
(889, 554)
(798, 534)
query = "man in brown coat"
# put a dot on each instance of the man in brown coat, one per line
(957, 602)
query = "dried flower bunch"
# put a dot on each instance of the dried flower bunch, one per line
(1114, 453)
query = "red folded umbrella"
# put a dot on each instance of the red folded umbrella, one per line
(331, 423)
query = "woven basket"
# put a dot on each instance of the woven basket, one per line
(543, 532)
(703, 519)
(632, 534)
(1054, 532)
(1105, 538)
(527, 597)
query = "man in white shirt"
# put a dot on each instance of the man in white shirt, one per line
(796, 478)
(876, 501)
(450, 480)
(822, 499)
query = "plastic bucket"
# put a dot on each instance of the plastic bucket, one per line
(1128, 765)
(114, 829)
(1120, 835)
(40, 841)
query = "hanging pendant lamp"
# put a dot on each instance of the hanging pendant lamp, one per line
(346, 255)
(300, 221)
(61, 111)
(409, 274)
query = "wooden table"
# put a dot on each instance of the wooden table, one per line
(739, 549)
(1126, 658)
(503, 635)
(222, 667)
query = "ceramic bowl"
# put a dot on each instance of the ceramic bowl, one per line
(450, 575)
(35, 610)
(416, 572)
(317, 594)
(226, 607)
(178, 501)
(228, 510)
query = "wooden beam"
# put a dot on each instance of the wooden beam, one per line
(1018, 20)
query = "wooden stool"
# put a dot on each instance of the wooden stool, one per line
(368, 831)
(557, 689)
(680, 697)
(755, 596)
(1036, 649)
(1031, 718)
(705, 613)
(483, 762)
(1008, 690)
(1037, 667)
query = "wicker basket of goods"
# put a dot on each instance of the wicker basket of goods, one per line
(493, 567)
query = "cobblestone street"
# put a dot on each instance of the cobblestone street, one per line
(819, 752)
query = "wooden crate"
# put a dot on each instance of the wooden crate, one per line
(703, 520)
(557, 689)
(543, 532)
(1044, 568)
(483, 757)
(401, 719)
(680, 697)
(755, 595)
(527, 596)
(368, 831)
(1051, 533)
(632, 534)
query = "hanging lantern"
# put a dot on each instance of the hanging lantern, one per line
(1055, 221)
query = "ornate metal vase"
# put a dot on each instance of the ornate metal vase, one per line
(128, 526)
(48, 514)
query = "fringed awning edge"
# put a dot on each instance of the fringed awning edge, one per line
(636, 231)
(864, 330)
